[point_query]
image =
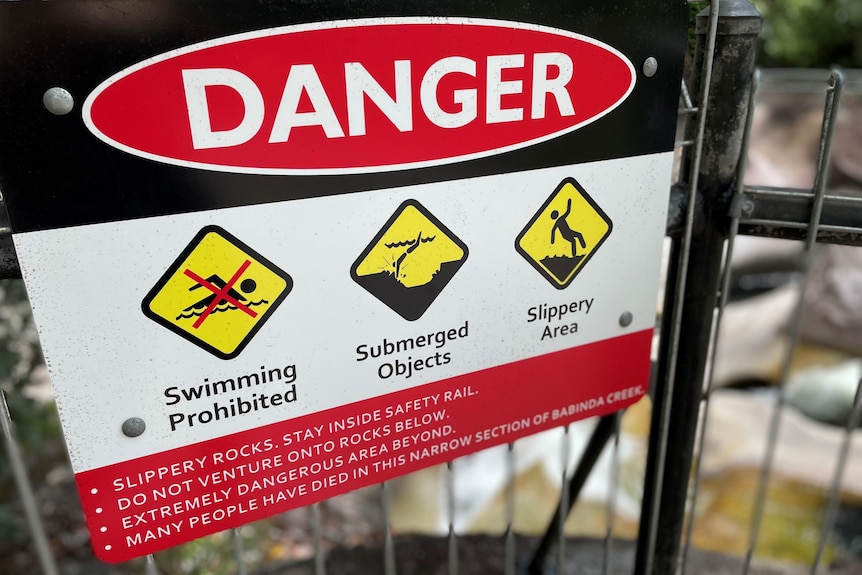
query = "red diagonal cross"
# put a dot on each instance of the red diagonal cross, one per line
(221, 294)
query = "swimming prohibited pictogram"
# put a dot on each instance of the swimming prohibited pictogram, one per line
(410, 261)
(564, 234)
(218, 293)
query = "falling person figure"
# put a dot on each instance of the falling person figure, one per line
(568, 233)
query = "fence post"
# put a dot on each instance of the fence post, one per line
(668, 470)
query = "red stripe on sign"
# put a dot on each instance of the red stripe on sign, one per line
(151, 503)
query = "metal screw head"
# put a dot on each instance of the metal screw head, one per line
(650, 67)
(747, 207)
(626, 319)
(134, 426)
(58, 101)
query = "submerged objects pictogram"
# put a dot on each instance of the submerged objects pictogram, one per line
(410, 260)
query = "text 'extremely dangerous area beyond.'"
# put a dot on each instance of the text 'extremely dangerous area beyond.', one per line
(331, 453)
(145, 504)
(198, 490)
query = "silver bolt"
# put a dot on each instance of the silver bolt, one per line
(134, 426)
(626, 319)
(650, 67)
(747, 207)
(58, 101)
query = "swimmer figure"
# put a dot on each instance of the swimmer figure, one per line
(568, 233)
(247, 286)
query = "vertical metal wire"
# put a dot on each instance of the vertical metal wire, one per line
(686, 97)
(735, 213)
(612, 496)
(564, 503)
(824, 155)
(317, 537)
(150, 567)
(682, 278)
(388, 543)
(602, 432)
(25, 490)
(238, 551)
(509, 559)
(453, 540)
(831, 111)
(835, 491)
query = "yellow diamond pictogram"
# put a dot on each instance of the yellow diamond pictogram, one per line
(410, 260)
(218, 293)
(564, 234)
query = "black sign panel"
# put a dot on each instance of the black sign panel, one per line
(55, 173)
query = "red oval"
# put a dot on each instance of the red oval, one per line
(306, 128)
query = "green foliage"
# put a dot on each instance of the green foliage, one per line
(21, 367)
(694, 9)
(35, 418)
(214, 555)
(811, 33)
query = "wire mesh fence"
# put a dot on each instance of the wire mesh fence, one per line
(642, 483)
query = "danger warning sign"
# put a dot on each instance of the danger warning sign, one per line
(410, 261)
(388, 162)
(218, 293)
(564, 234)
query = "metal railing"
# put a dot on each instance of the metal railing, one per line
(709, 208)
